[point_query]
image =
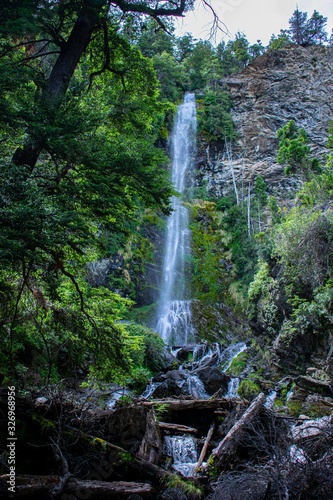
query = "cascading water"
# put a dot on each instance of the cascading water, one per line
(174, 314)
(184, 452)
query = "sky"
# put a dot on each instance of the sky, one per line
(258, 19)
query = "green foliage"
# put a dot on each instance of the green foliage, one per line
(293, 148)
(214, 116)
(139, 379)
(150, 353)
(304, 245)
(160, 410)
(238, 364)
(311, 317)
(208, 272)
(243, 248)
(248, 389)
(234, 55)
(294, 408)
(97, 170)
(260, 189)
(280, 41)
(199, 65)
(191, 491)
(304, 31)
(171, 76)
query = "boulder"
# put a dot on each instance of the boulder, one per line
(212, 379)
(172, 384)
(314, 385)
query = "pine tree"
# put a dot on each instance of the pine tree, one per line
(304, 31)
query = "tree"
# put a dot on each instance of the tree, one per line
(80, 115)
(72, 43)
(279, 41)
(199, 64)
(304, 31)
(236, 54)
(293, 148)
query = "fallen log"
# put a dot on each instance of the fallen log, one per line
(195, 404)
(165, 426)
(33, 486)
(151, 444)
(205, 446)
(229, 443)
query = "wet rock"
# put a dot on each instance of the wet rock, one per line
(317, 374)
(169, 360)
(311, 428)
(185, 352)
(212, 379)
(172, 384)
(314, 385)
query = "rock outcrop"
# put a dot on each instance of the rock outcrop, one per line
(292, 83)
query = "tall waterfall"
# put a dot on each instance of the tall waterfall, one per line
(174, 314)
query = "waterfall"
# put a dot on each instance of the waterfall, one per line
(174, 315)
(183, 451)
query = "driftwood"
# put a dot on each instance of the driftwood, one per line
(205, 446)
(151, 444)
(227, 446)
(32, 486)
(195, 404)
(165, 426)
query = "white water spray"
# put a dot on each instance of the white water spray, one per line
(174, 314)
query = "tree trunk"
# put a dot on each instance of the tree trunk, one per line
(151, 444)
(228, 445)
(33, 486)
(62, 73)
(177, 428)
(195, 404)
(71, 53)
(206, 444)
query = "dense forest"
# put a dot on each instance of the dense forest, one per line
(88, 95)
(84, 177)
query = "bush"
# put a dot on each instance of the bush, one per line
(150, 353)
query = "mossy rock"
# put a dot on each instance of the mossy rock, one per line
(248, 389)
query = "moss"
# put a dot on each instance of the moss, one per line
(248, 389)
(294, 408)
(238, 364)
(211, 469)
(45, 424)
(191, 491)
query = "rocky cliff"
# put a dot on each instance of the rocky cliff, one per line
(293, 83)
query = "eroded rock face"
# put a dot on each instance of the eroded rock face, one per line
(292, 83)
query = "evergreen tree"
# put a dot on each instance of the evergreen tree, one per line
(304, 31)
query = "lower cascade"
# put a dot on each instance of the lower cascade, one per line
(183, 451)
(200, 378)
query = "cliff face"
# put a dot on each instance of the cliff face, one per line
(293, 83)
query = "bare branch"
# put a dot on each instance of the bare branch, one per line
(217, 24)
